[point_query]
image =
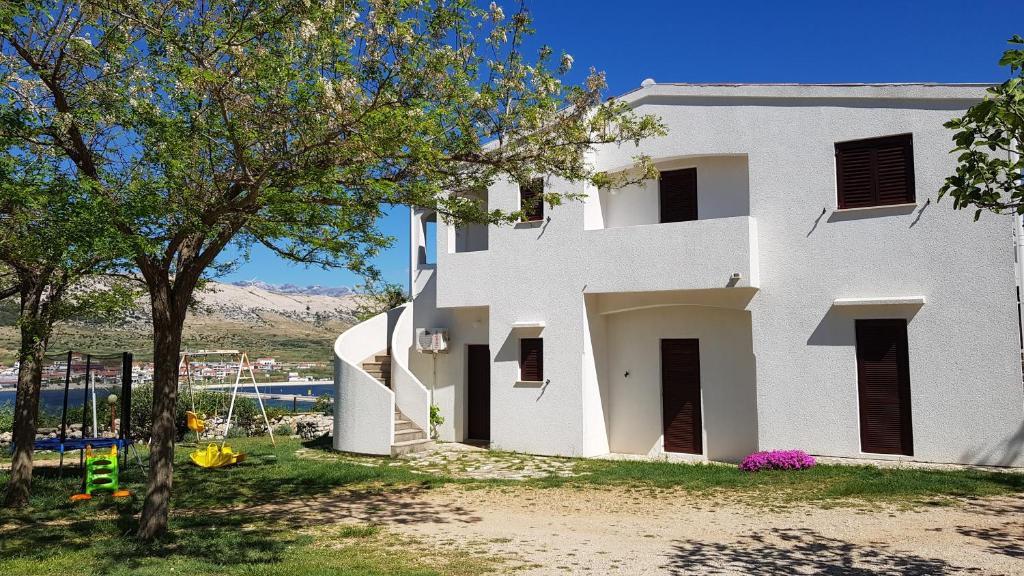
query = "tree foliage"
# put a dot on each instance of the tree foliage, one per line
(377, 297)
(990, 142)
(52, 240)
(290, 124)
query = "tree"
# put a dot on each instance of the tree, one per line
(50, 241)
(290, 125)
(377, 297)
(990, 140)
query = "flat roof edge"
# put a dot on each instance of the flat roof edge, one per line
(891, 90)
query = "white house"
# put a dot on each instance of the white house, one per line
(789, 282)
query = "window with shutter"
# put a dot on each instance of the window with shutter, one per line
(531, 359)
(875, 172)
(883, 386)
(677, 195)
(531, 198)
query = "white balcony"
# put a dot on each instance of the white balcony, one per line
(694, 255)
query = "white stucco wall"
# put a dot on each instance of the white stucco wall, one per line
(728, 395)
(797, 254)
(364, 420)
(722, 191)
(411, 397)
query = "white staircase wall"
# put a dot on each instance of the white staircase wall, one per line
(364, 409)
(411, 396)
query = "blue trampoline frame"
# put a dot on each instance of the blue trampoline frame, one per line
(62, 443)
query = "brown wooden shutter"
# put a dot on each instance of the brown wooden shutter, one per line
(677, 193)
(883, 383)
(875, 172)
(680, 395)
(531, 197)
(531, 359)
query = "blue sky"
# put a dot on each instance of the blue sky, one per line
(737, 41)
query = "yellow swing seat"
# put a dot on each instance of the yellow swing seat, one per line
(194, 423)
(216, 457)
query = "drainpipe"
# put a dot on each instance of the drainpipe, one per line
(412, 248)
(1018, 256)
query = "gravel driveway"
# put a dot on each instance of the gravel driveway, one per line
(564, 531)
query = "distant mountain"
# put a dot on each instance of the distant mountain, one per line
(290, 322)
(314, 290)
(248, 301)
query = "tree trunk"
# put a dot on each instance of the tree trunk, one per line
(168, 321)
(26, 412)
(26, 406)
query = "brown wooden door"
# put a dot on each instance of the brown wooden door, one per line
(680, 395)
(478, 402)
(883, 383)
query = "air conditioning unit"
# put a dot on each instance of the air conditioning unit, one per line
(431, 340)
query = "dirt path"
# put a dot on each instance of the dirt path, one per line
(572, 531)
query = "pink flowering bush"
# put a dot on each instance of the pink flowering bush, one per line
(777, 460)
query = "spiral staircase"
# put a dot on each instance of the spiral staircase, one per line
(380, 406)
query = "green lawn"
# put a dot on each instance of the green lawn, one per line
(56, 536)
(832, 485)
(213, 533)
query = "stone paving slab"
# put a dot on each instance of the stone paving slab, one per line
(461, 461)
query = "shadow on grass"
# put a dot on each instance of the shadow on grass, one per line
(394, 506)
(242, 515)
(799, 551)
(277, 475)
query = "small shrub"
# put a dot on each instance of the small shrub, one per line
(435, 419)
(237, 432)
(283, 429)
(6, 417)
(209, 403)
(214, 402)
(323, 405)
(141, 425)
(777, 460)
(276, 412)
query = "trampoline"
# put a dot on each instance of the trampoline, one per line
(114, 373)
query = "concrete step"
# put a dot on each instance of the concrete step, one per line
(378, 366)
(411, 434)
(382, 358)
(402, 424)
(410, 446)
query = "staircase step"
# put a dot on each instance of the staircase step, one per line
(382, 358)
(413, 434)
(410, 446)
(379, 366)
(402, 424)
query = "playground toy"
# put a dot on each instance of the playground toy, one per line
(217, 456)
(101, 473)
(94, 364)
(195, 424)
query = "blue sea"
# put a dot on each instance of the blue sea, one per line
(52, 400)
(279, 396)
(286, 390)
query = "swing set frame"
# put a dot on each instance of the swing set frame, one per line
(241, 359)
